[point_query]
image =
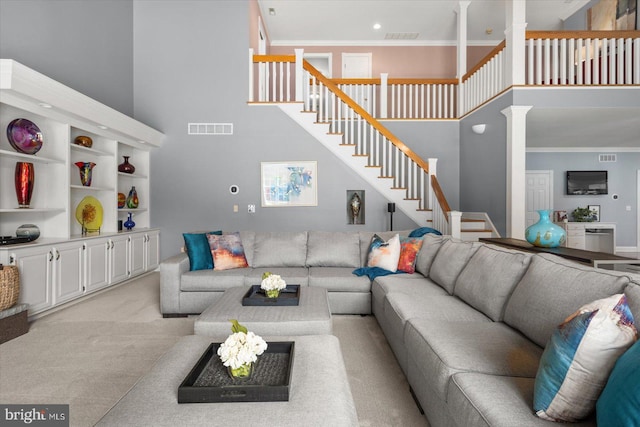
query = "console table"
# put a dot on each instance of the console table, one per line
(595, 259)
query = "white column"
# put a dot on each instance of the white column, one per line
(516, 169)
(384, 90)
(461, 11)
(515, 42)
(250, 74)
(455, 223)
(299, 75)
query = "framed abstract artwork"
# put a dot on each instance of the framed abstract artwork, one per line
(291, 183)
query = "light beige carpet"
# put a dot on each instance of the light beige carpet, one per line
(90, 354)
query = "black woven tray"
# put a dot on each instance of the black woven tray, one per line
(209, 380)
(288, 296)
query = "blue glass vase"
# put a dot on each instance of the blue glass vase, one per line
(129, 224)
(544, 233)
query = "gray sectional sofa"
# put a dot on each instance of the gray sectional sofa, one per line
(468, 328)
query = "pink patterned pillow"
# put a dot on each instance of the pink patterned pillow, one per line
(409, 248)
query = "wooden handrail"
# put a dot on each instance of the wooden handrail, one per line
(442, 200)
(582, 34)
(484, 60)
(274, 58)
(377, 81)
(363, 113)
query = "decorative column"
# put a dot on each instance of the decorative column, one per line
(384, 91)
(299, 75)
(516, 169)
(515, 42)
(461, 11)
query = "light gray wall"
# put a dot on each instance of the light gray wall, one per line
(86, 45)
(435, 139)
(622, 181)
(483, 168)
(191, 66)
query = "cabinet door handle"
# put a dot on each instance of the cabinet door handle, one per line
(50, 256)
(112, 245)
(57, 254)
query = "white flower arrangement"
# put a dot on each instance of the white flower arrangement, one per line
(241, 347)
(272, 282)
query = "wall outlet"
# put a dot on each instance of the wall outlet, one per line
(235, 208)
(251, 208)
(628, 208)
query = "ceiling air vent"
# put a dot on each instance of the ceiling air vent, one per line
(401, 36)
(210, 129)
(607, 158)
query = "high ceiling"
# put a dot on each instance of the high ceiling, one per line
(433, 22)
(327, 22)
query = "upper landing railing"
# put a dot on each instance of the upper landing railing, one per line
(566, 58)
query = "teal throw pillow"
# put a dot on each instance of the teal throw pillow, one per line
(198, 250)
(619, 403)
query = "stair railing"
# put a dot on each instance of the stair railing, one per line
(367, 135)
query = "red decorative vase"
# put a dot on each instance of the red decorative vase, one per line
(24, 179)
(126, 167)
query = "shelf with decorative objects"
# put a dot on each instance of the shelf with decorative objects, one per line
(59, 166)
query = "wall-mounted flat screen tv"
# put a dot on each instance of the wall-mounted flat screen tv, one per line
(587, 183)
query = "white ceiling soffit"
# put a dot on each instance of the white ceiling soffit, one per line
(350, 22)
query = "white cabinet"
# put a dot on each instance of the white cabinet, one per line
(119, 259)
(63, 263)
(49, 275)
(68, 268)
(590, 236)
(152, 250)
(97, 263)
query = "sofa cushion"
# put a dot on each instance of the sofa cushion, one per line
(212, 280)
(443, 348)
(551, 290)
(577, 361)
(632, 291)
(333, 249)
(431, 244)
(291, 275)
(384, 254)
(488, 279)
(338, 279)
(449, 262)
(409, 248)
(280, 249)
(619, 403)
(482, 400)
(227, 250)
(248, 239)
(198, 250)
(405, 284)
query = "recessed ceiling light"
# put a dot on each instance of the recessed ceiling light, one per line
(103, 127)
(272, 11)
(142, 142)
(377, 26)
(45, 105)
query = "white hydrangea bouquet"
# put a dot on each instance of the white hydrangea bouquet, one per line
(241, 350)
(272, 284)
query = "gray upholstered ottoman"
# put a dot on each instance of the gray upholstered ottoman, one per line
(319, 393)
(311, 317)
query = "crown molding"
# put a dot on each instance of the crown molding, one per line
(395, 43)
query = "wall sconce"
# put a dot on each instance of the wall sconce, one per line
(479, 129)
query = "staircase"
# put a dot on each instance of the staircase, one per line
(363, 143)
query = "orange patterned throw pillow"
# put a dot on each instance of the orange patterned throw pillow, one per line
(409, 248)
(227, 251)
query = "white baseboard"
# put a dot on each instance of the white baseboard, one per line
(627, 249)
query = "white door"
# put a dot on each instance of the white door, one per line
(68, 272)
(358, 66)
(96, 263)
(539, 194)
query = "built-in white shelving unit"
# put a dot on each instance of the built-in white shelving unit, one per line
(64, 263)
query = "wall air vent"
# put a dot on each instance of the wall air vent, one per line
(210, 129)
(607, 158)
(401, 36)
